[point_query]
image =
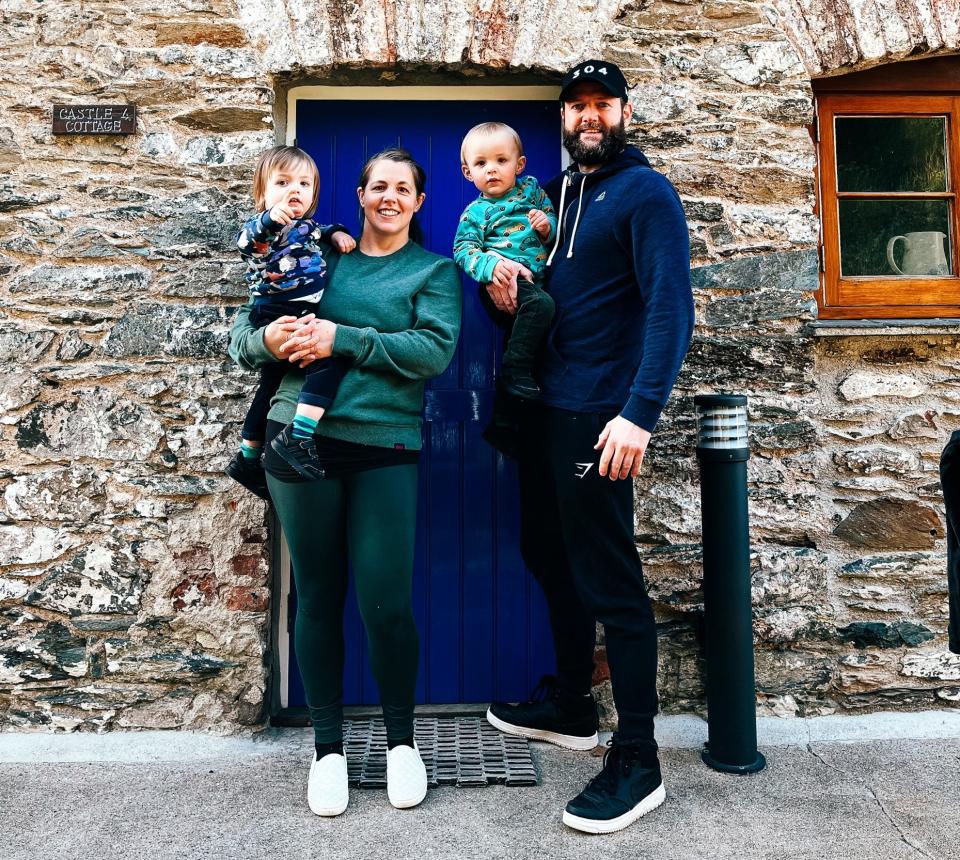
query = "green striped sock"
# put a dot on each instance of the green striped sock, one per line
(303, 427)
(250, 452)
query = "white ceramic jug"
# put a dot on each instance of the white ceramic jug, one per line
(923, 254)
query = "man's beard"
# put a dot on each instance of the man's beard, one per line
(610, 145)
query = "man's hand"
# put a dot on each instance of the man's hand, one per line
(540, 222)
(624, 445)
(281, 214)
(503, 285)
(343, 242)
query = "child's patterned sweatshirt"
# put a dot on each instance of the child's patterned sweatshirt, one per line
(284, 262)
(493, 228)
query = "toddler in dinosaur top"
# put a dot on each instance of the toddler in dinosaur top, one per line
(285, 276)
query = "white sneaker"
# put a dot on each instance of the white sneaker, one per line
(406, 776)
(327, 792)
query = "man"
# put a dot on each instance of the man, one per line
(619, 273)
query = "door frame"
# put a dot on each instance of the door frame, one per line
(448, 92)
(281, 621)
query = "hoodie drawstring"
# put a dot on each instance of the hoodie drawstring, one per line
(561, 221)
(576, 221)
(563, 196)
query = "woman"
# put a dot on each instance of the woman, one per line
(393, 311)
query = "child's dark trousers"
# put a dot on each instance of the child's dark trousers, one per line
(534, 314)
(322, 377)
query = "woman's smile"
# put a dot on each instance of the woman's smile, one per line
(389, 198)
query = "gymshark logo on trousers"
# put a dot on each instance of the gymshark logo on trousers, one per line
(581, 469)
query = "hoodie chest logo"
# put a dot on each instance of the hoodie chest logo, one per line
(600, 197)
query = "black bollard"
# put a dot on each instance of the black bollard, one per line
(723, 450)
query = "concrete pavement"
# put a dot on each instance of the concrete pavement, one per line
(884, 786)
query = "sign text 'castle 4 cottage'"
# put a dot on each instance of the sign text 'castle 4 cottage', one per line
(94, 119)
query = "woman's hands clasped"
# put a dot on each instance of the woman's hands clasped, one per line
(300, 340)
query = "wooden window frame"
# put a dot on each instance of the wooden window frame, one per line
(919, 88)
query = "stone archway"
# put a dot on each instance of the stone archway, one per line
(313, 35)
(831, 35)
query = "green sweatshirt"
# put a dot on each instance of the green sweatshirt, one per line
(492, 228)
(397, 319)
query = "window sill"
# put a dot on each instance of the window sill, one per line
(883, 327)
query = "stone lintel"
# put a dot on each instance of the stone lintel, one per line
(847, 35)
(313, 36)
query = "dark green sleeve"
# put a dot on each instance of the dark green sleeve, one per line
(246, 342)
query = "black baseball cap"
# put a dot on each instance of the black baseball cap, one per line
(608, 75)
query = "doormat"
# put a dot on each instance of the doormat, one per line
(461, 751)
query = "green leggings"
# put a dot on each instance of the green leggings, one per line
(368, 518)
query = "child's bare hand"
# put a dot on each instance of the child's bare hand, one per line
(505, 274)
(281, 214)
(343, 242)
(503, 284)
(540, 222)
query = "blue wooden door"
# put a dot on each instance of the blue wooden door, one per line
(483, 624)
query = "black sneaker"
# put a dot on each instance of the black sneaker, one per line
(620, 794)
(521, 385)
(549, 716)
(249, 472)
(300, 454)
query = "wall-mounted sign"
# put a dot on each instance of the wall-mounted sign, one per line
(94, 119)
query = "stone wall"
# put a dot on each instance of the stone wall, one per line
(849, 586)
(834, 34)
(134, 588)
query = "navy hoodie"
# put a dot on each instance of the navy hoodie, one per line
(620, 277)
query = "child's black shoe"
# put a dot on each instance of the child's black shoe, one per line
(249, 472)
(503, 432)
(300, 454)
(504, 438)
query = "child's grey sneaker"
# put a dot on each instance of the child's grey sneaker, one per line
(300, 454)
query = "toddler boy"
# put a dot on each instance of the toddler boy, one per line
(285, 275)
(511, 220)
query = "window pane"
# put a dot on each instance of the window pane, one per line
(868, 228)
(891, 153)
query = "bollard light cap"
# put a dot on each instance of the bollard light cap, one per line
(722, 422)
(711, 401)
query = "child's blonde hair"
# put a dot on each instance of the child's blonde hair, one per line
(282, 158)
(489, 129)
